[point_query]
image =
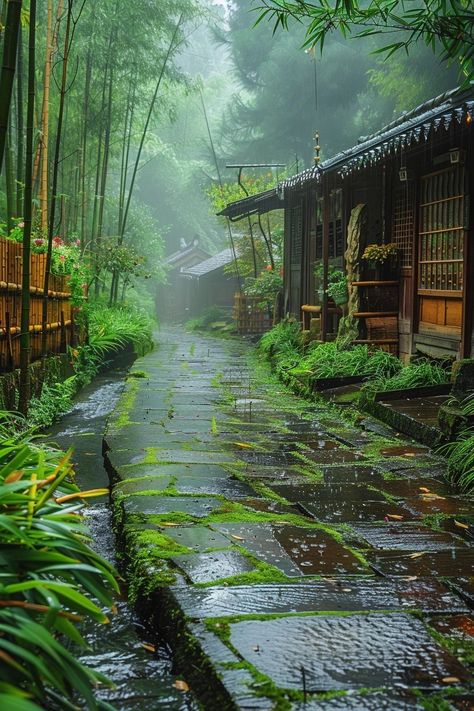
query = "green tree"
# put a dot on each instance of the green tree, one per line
(444, 25)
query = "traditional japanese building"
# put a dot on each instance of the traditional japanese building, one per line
(411, 184)
(171, 300)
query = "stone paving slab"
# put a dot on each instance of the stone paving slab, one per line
(351, 575)
(366, 651)
(395, 535)
(444, 563)
(340, 503)
(157, 505)
(367, 702)
(208, 567)
(348, 594)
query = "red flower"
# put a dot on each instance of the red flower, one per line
(57, 241)
(269, 268)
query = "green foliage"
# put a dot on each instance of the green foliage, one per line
(213, 314)
(443, 26)
(266, 286)
(286, 334)
(50, 580)
(55, 400)
(416, 375)
(460, 455)
(337, 287)
(329, 360)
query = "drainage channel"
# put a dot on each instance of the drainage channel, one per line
(143, 679)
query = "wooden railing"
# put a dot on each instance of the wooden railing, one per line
(60, 318)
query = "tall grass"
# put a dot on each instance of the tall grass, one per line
(423, 373)
(328, 360)
(50, 580)
(460, 454)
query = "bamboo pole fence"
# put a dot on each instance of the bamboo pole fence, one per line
(60, 321)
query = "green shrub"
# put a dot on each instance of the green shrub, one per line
(329, 360)
(460, 454)
(286, 334)
(208, 316)
(51, 580)
(416, 375)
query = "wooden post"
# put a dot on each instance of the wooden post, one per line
(467, 334)
(10, 363)
(63, 344)
(325, 256)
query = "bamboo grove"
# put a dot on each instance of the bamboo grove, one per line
(82, 88)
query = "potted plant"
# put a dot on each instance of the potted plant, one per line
(382, 255)
(337, 287)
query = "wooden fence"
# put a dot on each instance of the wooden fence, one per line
(60, 326)
(248, 316)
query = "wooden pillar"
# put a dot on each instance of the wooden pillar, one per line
(325, 255)
(467, 335)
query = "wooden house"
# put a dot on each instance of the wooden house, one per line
(412, 184)
(171, 301)
(207, 284)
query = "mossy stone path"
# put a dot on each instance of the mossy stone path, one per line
(294, 557)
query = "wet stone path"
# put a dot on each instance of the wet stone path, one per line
(295, 558)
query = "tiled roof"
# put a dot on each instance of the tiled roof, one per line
(210, 265)
(406, 131)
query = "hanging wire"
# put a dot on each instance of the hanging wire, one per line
(219, 178)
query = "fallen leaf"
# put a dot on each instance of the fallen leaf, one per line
(237, 538)
(461, 525)
(14, 476)
(169, 524)
(149, 647)
(394, 517)
(417, 555)
(450, 680)
(256, 648)
(243, 445)
(346, 589)
(409, 454)
(410, 578)
(424, 490)
(181, 685)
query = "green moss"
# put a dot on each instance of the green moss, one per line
(460, 646)
(126, 403)
(137, 374)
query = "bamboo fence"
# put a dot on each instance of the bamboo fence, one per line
(248, 316)
(60, 318)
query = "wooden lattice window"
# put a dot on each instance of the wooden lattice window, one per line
(336, 237)
(403, 222)
(442, 228)
(319, 228)
(296, 235)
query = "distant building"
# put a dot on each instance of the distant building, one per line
(206, 284)
(411, 184)
(171, 300)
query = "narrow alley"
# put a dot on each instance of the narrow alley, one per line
(293, 556)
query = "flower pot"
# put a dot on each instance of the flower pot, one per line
(340, 297)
